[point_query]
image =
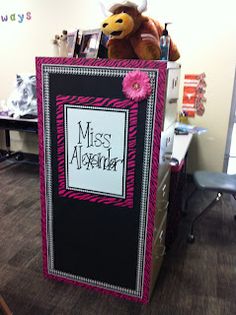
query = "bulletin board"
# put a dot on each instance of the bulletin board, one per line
(99, 153)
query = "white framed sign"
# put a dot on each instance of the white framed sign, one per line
(96, 149)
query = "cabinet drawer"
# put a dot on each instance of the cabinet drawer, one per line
(172, 95)
(162, 201)
(158, 253)
(166, 147)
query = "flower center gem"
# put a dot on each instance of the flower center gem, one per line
(136, 86)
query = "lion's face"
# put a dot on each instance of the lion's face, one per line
(118, 25)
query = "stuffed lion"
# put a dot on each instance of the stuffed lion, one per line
(132, 35)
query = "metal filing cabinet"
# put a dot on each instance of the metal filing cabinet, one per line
(172, 95)
(104, 226)
(165, 162)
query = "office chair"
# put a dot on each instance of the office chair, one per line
(212, 181)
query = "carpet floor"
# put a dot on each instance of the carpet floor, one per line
(195, 279)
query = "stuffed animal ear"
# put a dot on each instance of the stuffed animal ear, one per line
(142, 6)
(111, 5)
(32, 79)
(105, 12)
(19, 80)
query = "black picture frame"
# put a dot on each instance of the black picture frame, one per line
(90, 43)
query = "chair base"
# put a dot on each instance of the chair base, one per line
(191, 237)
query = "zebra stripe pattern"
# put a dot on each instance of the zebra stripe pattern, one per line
(158, 117)
(132, 131)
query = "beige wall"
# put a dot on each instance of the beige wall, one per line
(205, 32)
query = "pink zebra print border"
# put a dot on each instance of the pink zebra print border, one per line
(158, 118)
(131, 145)
(160, 94)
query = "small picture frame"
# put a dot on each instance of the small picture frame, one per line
(71, 42)
(90, 43)
(102, 51)
(78, 44)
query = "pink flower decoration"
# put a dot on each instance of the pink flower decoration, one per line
(136, 85)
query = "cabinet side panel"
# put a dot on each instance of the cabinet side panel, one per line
(93, 237)
(160, 99)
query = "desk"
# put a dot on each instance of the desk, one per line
(180, 149)
(177, 186)
(19, 124)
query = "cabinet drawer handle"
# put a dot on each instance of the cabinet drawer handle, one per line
(168, 157)
(162, 205)
(161, 234)
(163, 251)
(164, 187)
(159, 237)
(173, 100)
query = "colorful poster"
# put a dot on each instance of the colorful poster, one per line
(194, 95)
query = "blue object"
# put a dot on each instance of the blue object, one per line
(165, 44)
(189, 128)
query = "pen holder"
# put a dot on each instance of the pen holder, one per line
(183, 118)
